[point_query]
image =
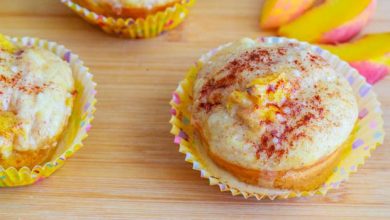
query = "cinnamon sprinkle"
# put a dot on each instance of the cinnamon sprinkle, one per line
(287, 132)
(208, 106)
(15, 79)
(298, 63)
(282, 51)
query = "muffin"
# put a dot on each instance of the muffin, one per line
(134, 19)
(126, 8)
(273, 116)
(36, 95)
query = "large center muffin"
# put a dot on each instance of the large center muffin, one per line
(275, 116)
(36, 99)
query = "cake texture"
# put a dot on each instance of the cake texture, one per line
(275, 116)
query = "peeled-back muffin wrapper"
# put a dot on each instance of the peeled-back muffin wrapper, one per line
(151, 26)
(368, 132)
(78, 125)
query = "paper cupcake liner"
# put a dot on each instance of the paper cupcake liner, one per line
(151, 26)
(79, 122)
(368, 135)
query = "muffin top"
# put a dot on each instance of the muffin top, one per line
(271, 107)
(36, 89)
(148, 4)
(126, 8)
(142, 3)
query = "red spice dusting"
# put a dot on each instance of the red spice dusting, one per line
(299, 135)
(304, 120)
(264, 140)
(287, 132)
(11, 81)
(269, 149)
(282, 51)
(213, 84)
(321, 111)
(280, 153)
(208, 106)
(22, 88)
(264, 56)
(292, 44)
(295, 85)
(278, 84)
(14, 80)
(270, 88)
(274, 132)
(298, 63)
(214, 97)
(317, 98)
(316, 60)
(32, 89)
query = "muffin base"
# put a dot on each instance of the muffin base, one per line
(19, 159)
(303, 179)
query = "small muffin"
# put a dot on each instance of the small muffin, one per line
(36, 96)
(126, 8)
(275, 116)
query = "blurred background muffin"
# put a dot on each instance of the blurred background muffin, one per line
(132, 18)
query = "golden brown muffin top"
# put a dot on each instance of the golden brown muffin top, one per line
(272, 107)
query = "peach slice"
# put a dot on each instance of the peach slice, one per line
(370, 55)
(333, 21)
(278, 12)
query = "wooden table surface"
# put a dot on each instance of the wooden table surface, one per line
(129, 167)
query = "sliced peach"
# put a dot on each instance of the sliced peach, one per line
(278, 12)
(373, 70)
(333, 21)
(370, 55)
(366, 47)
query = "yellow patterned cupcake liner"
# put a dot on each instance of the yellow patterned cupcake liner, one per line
(368, 133)
(79, 122)
(151, 26)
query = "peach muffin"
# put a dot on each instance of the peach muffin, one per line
(126, 8)
(275, 116)
(36, 99)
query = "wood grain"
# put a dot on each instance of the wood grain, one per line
(129, 167)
